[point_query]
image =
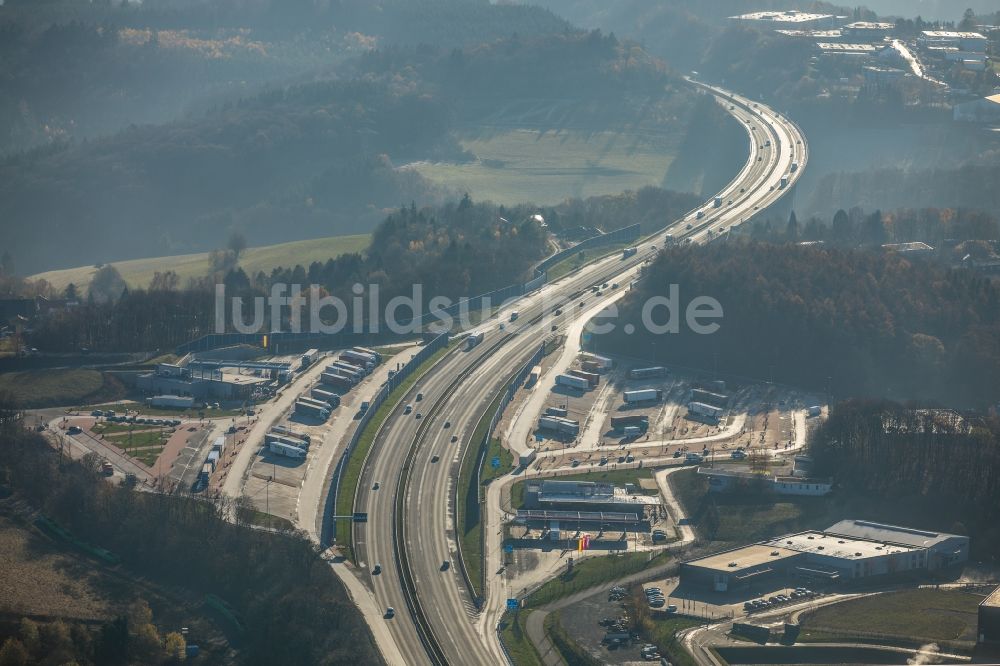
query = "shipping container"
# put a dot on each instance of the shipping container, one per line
(643, 395)
(638, 420)
(285, 430)
(560, 425)
(535, 373)
(591, 366)
(556, 411)
(327, 397)
(646, 373)
(592, 378)
(286, 450)
(573, 382)
(474, 339)
(629, 252)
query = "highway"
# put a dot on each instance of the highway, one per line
(410, 531)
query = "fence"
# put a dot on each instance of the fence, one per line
(329, 529)
(623, 235)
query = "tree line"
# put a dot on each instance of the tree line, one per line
(289, 605)
(856, 322)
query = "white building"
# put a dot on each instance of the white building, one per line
(788, 20)
(967, 41)
(868, 30)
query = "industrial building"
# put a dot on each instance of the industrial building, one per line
(788, 20)
(846, 49)
(867, 30)
(914, 249)
(586, 496)
(966, 41)
(847, 551)
(723, 480)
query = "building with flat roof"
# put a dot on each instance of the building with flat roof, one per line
(967, 41)
(868, 30)
(813, 35)
(791, 19)
(846, 49)
(846, 551)
(913, 249)
(585, 496)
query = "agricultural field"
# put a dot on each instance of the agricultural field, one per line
(138, 272)
(546, 167)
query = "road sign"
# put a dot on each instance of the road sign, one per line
(512, 604)
(508, 548)
(495, 463)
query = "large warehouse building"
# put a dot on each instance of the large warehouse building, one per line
(849, 550)
(585, 496)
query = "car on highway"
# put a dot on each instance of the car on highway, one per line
(445, 565)
(454, 438)
(377, 569)
(435, 458)
(688, 227)
(575, 462)
(558, 312)
(447, 424)
(420, 396)
(406, 410)
(390, 613)
(554, 327)
(375, 486)
(418, 415)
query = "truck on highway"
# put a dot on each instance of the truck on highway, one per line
(561, 425)
(642, 395)
(286, 450)
(717, 202)
(592, 378)
(629, 252)
(514, 315)
(795, 167)
(474, 339)
(784, 182)
(700, 215)
(573, 382)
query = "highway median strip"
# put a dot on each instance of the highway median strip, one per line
(356, 462)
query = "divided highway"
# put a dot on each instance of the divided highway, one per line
(409, 479)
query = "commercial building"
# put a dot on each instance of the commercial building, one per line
(967, 41)
(914, 249)
(586, 496)
(788, 20)
(846, 49)
(847, 551)
(988, 632)
(724, 480)
(867, 30)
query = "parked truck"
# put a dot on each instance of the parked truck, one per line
(366, 361)
(285, 430)
(328, 397)
(535, 373)
(603, 363)
(337, 381)
(642, 395)
(286, 450)
(371, 352)
(556, 411)
(573, 382)
(309, 357)
(286, 439)
(705, 410)
(636, 420)
(592, 378)
(646, 373)
(560, 425)
(350, 368)
(312, 409)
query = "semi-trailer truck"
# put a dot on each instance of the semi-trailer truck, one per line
(556, 411)
(328, 397)
(573, 382)
(560, 425)
(337, 381)
(286, 439)
(592, 378)
(629, 252)
(363, 360)
(717, 202)
(286, 450)
(642, 395)
(646, 373)
(474, 339)
(285, 430)
(535, 373)
(602, 362)
(351, 368)
(637, 420)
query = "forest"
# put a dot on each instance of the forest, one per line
(852, 321)
(942, 463)
(320, 157)
(289, 605)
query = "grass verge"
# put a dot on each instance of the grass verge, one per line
(355, 464)
(514, 634)
(47, 388)
(569, 649)
(262, 519)
(921, 615)
(592, 572)
(583, 257)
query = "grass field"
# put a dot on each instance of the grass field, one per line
(514, 633)
(518, 165)
(922, 615)
(45, 388)
(593, 571)
(138, 272)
